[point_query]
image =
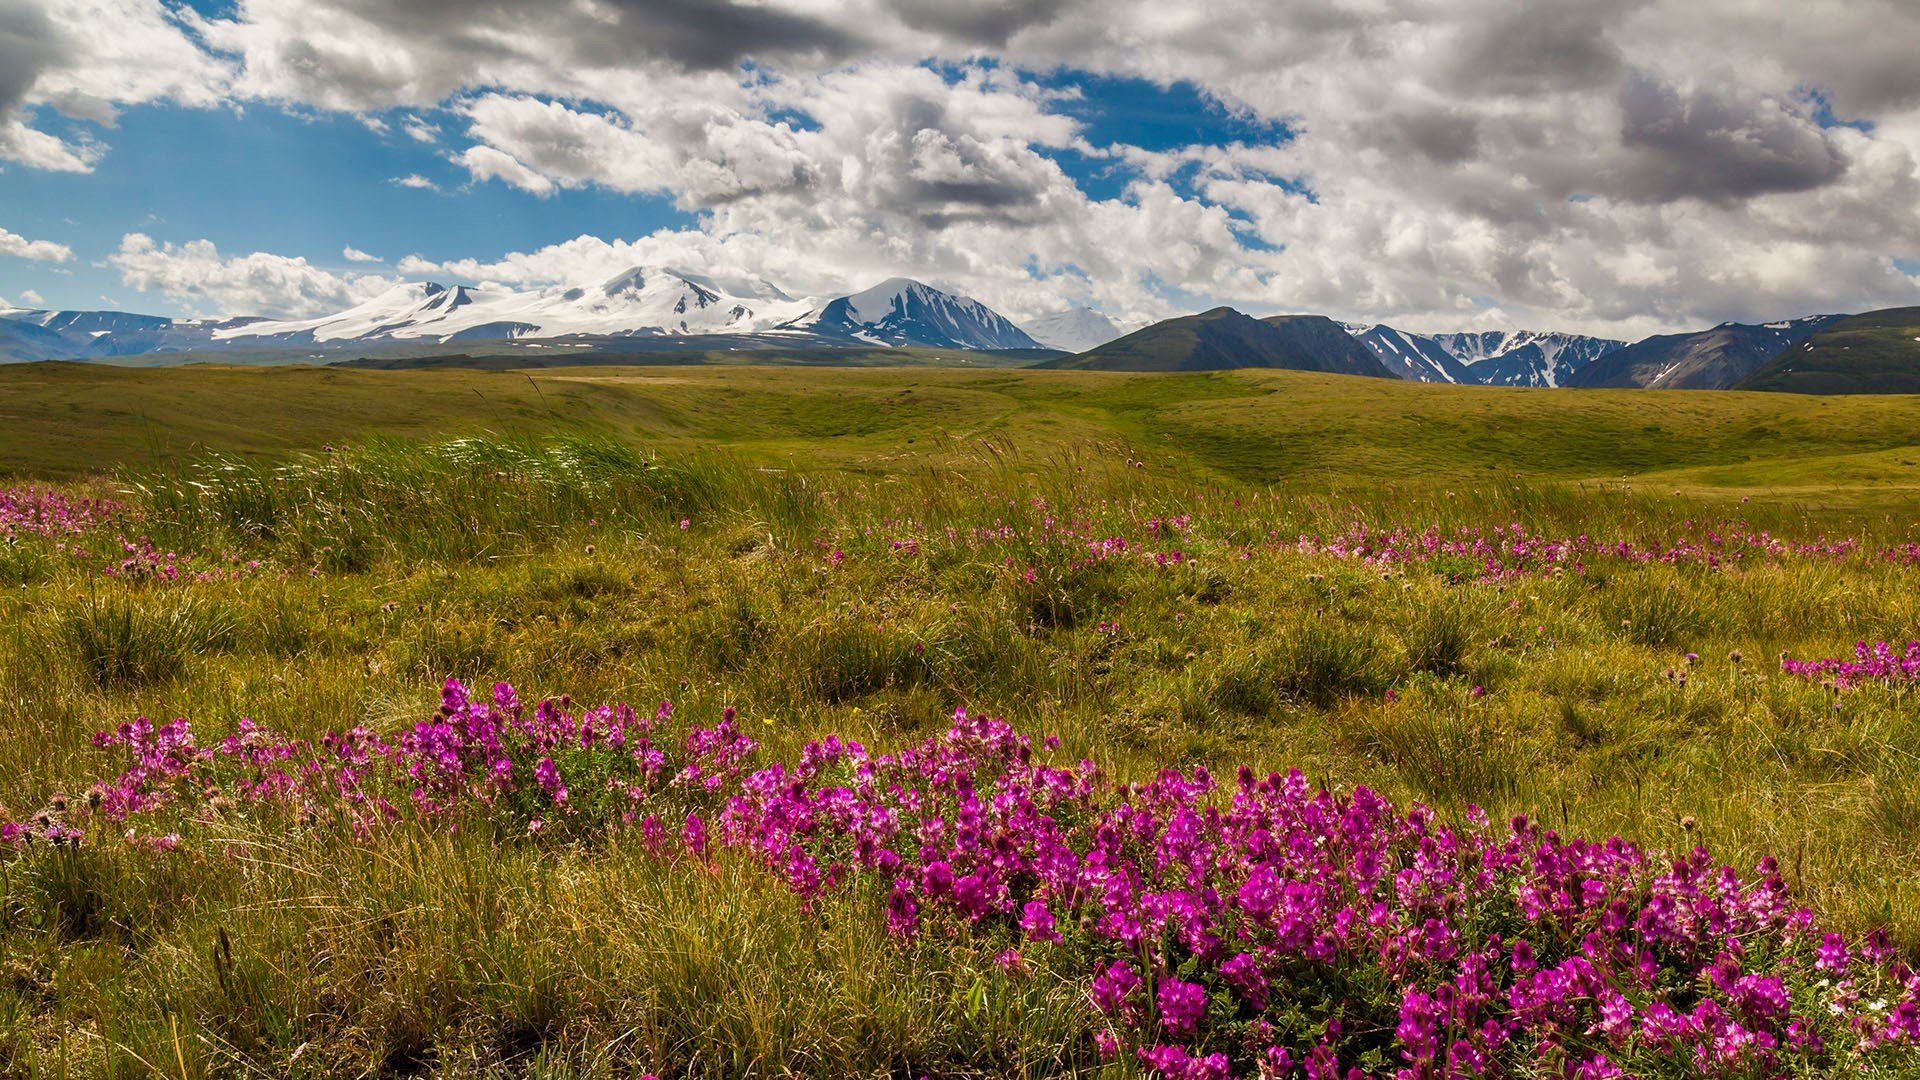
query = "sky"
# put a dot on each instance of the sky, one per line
(1622, 167)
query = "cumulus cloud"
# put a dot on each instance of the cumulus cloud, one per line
(371, 54)
(195, 274)
(1617, 165)
(45, 250)
(416, 182)
(354, 254)
(491, 163)
(419, 130)
(87, 58)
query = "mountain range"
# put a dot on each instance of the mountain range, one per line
(652, 309)
(641, 303)
(1491, 358)
(1716, 359)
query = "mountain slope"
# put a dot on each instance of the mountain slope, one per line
(1877, 352)
(901, 311)
(1320, 344)
(22, 341)
(1525, 357)
(1414, 357)
(1224, 338)
(1074, 330)
(1713, 359)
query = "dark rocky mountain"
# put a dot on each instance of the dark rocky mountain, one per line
(1715, 359)
(1877, 352)
(1223, 339)
(1413, 357)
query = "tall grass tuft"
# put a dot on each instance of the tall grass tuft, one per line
(129, 640)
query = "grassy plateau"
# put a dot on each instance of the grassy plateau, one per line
(1448, 607)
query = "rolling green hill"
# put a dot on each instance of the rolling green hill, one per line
(1296, 428)
(1874, 353)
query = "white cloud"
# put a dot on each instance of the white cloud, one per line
(33, 297)
(419, 130)
(488, 163)
(354, 254)
(195, 274)
(44, 250)
(86, 59)
(1619, 165)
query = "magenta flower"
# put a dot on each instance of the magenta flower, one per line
(1181, 1004)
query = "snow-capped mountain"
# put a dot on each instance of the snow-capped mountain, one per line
(1075, 330)
(640, 301)
(901, 311)
(1525, 357)
(1414, 357)
(644, 302)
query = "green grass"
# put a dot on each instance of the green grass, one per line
(551, 554)
(1315, 432)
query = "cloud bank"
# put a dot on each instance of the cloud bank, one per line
(1615, 165)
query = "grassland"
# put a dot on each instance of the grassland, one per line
(730, 538)
(1313, 432)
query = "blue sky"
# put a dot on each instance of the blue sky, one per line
(260, 178)
(309, 183)
(1614, 166)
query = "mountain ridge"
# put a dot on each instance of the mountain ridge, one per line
(1222, 338)
(1876, 352)
(1717, 358)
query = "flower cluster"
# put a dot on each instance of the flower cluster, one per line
(45, 512)
(1511, 551)
(1280, 930)
(1071, 539)
(1257, 928)
(1880, 662)
(478, 756)
(142, 561)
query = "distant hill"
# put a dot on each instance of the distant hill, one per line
(1320, 344)
(1877, 352)
(1223, 338)
(1715, 359)
(25, 341)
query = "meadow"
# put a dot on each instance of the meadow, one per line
(774, 722)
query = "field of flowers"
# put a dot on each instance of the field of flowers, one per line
(1069, 769)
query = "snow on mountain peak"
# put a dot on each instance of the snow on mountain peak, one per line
(901, 311)
(1074, 330)
(874, 304)
(1525, 357)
